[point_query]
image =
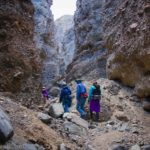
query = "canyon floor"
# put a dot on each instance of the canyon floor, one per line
(123, 124)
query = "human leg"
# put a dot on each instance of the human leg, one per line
(80, 110)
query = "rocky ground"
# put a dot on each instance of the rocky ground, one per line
(123, 124)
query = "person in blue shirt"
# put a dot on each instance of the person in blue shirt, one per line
(81, 95)
(65, 97)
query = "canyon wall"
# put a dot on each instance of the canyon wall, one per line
(90, 57)
(117, 31)
(65, 39)
(44, 37)
(127, 36)
(20, 64)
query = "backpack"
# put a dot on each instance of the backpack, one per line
(66, 92)
(83, 92)
(96, 92)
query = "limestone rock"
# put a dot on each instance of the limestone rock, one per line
(117, 147)
(29, 147)
(146, 147)
(75, 129)
(62, 147)
(55, 91)
(56, 110)
(146, 105)
(6, 130)
(135, 147)
(44, 117)
(121, 116)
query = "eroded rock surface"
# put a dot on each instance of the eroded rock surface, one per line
(127, 36)
(20, 67)
(90, 59)
(65, 39)
(44, 38)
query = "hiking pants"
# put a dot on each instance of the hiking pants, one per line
(80, 106)
(66, 108)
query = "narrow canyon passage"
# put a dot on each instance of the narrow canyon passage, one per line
(105, 41)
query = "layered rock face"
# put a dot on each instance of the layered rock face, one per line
(20, 64)
(65, 38)
(44, 38)
(127, 35)
(120, 27)
(89, 58)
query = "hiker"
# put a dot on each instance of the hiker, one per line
(65, 97)
(45, 94)
(94, 100)
(81, 96)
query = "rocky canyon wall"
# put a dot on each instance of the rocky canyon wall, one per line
(90, 56)
(65, 39)
(117, 31)
(44, 38)
(20, 64)
(127, 35)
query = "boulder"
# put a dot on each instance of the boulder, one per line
(54, 91)
(76, 119)
(75, 129)
(56, 110)
(6, 130)
(44, 117)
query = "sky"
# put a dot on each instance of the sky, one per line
(63, 7)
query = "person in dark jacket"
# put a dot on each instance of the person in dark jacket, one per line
(65, 97)
(81, 97)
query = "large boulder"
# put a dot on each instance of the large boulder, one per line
(54, 91)
(56, 110)
(6, 130)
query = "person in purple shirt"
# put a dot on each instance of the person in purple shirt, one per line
(45, 94)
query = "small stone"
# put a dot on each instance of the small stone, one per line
(44, 117)
(62, 147)
(6, 130)
(121, 116)
(147, 8)
(133, 27)
(135, 147)
(29, 147)
(117, 147)
(146, 105)
(146, 147)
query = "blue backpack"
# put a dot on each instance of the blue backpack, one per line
(66, 92)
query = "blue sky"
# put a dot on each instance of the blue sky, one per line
(63, 7)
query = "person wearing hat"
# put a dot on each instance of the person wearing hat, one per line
(45, 94)
(81, 96)
(65, 97)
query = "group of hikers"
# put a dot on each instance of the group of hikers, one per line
(93, 97)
